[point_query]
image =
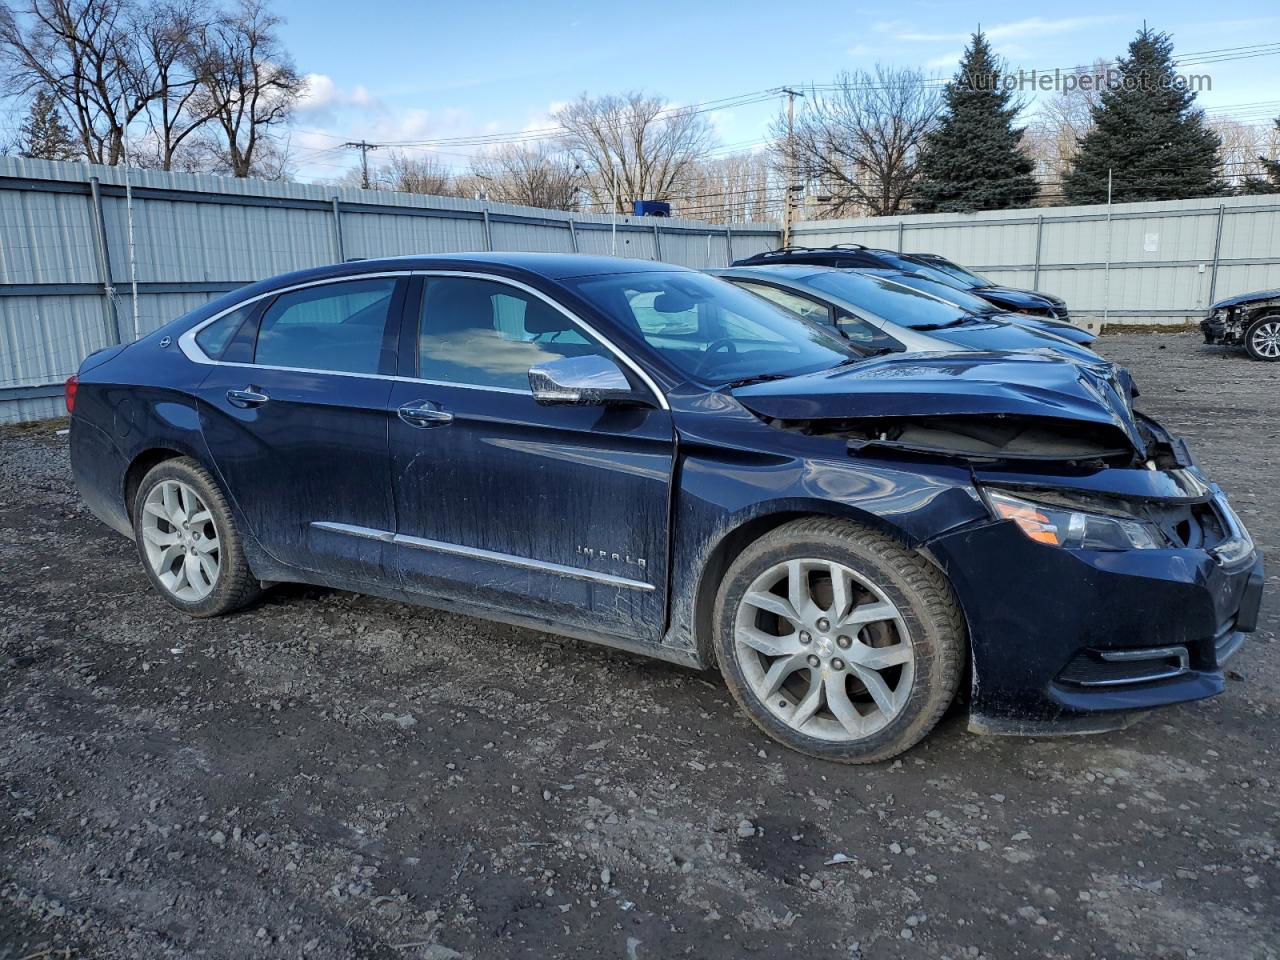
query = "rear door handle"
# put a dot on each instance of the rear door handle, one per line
(246, 398)
(424, 413)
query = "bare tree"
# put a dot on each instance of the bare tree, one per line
(172, 37)
(859, 145)
(730, 189)
(250, 84)
(533, 176)
(632, 147)
(84, 53)
(423, 174)
(1245, 149)
(1060, 122)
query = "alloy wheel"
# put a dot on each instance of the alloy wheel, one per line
(1265, 339)
(824, 649)
(181, 540)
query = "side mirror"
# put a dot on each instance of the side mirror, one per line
(580, 380)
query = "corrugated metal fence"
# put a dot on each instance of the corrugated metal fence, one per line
(69, 259)
(1137, 263)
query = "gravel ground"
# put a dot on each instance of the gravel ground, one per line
(328, 775)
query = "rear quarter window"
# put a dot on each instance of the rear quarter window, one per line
(214, 338)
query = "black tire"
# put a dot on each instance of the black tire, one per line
(1259, 348)
(923, 597)
(235, 585)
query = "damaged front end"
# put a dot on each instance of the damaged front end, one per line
(1111, 577)
(974, 406)
(1228, 321)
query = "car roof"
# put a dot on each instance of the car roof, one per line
(552, 266)
(518, 266)
(775, 271)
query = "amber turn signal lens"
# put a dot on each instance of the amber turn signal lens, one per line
(1032, 522)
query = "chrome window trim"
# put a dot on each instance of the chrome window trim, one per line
(187, 342)
(475, 553)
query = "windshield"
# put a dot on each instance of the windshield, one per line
(954, 271)
(965, 301)
(711, 331)
(889, 299)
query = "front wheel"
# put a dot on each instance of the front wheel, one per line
(838, 641)
(188, 542)
(1262, 339)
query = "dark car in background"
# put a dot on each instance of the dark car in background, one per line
(985, 308)
(1250, 320)
(888, 310)
(1044, 307)
(650, 458)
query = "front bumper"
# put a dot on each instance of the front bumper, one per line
(1079, 641)
(1222, 328)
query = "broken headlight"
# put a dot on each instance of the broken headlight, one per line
(1060, 526)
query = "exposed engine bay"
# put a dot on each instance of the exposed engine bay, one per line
(1002, 437)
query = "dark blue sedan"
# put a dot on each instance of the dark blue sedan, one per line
(651, 458)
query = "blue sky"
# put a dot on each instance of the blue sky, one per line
(426, 70)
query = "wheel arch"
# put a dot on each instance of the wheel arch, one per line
(744, 531)
(143, 461)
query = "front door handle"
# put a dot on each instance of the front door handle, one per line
(424, 413)
(246, 398)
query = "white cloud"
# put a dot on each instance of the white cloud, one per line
(320, 94)
(1029, 28)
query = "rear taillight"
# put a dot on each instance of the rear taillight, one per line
(73, 383)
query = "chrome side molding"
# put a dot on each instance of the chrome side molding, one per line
(475, 553)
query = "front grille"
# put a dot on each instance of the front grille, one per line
(1195, 526)
(1116, 668)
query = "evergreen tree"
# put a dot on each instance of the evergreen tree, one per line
(1270, 182)
(43, 135)
(1148, 133)
(974, 159)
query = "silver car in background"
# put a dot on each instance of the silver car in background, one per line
(882, 313)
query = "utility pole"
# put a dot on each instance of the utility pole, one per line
(1106, 276)
(790, 186)
(364, 147)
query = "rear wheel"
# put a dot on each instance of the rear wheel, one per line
(188, 542)
(838, 641)
(1262, 339)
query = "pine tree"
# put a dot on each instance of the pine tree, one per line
(1148, 133)
(1270, 181)
(974, 159)
(43, 135)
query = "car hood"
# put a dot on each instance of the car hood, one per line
(1002, 332)
(1245, 298)
(1018, 299)
(973, 384)
(1059, 328)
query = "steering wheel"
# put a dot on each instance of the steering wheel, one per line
(724, 343)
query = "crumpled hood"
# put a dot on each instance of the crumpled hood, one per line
(1245, 298)
(979, 383)
(1017, 299)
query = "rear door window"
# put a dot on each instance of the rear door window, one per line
(334, 326)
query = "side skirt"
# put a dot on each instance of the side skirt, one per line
(681, 656)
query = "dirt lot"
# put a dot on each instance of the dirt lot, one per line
(328, 775)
